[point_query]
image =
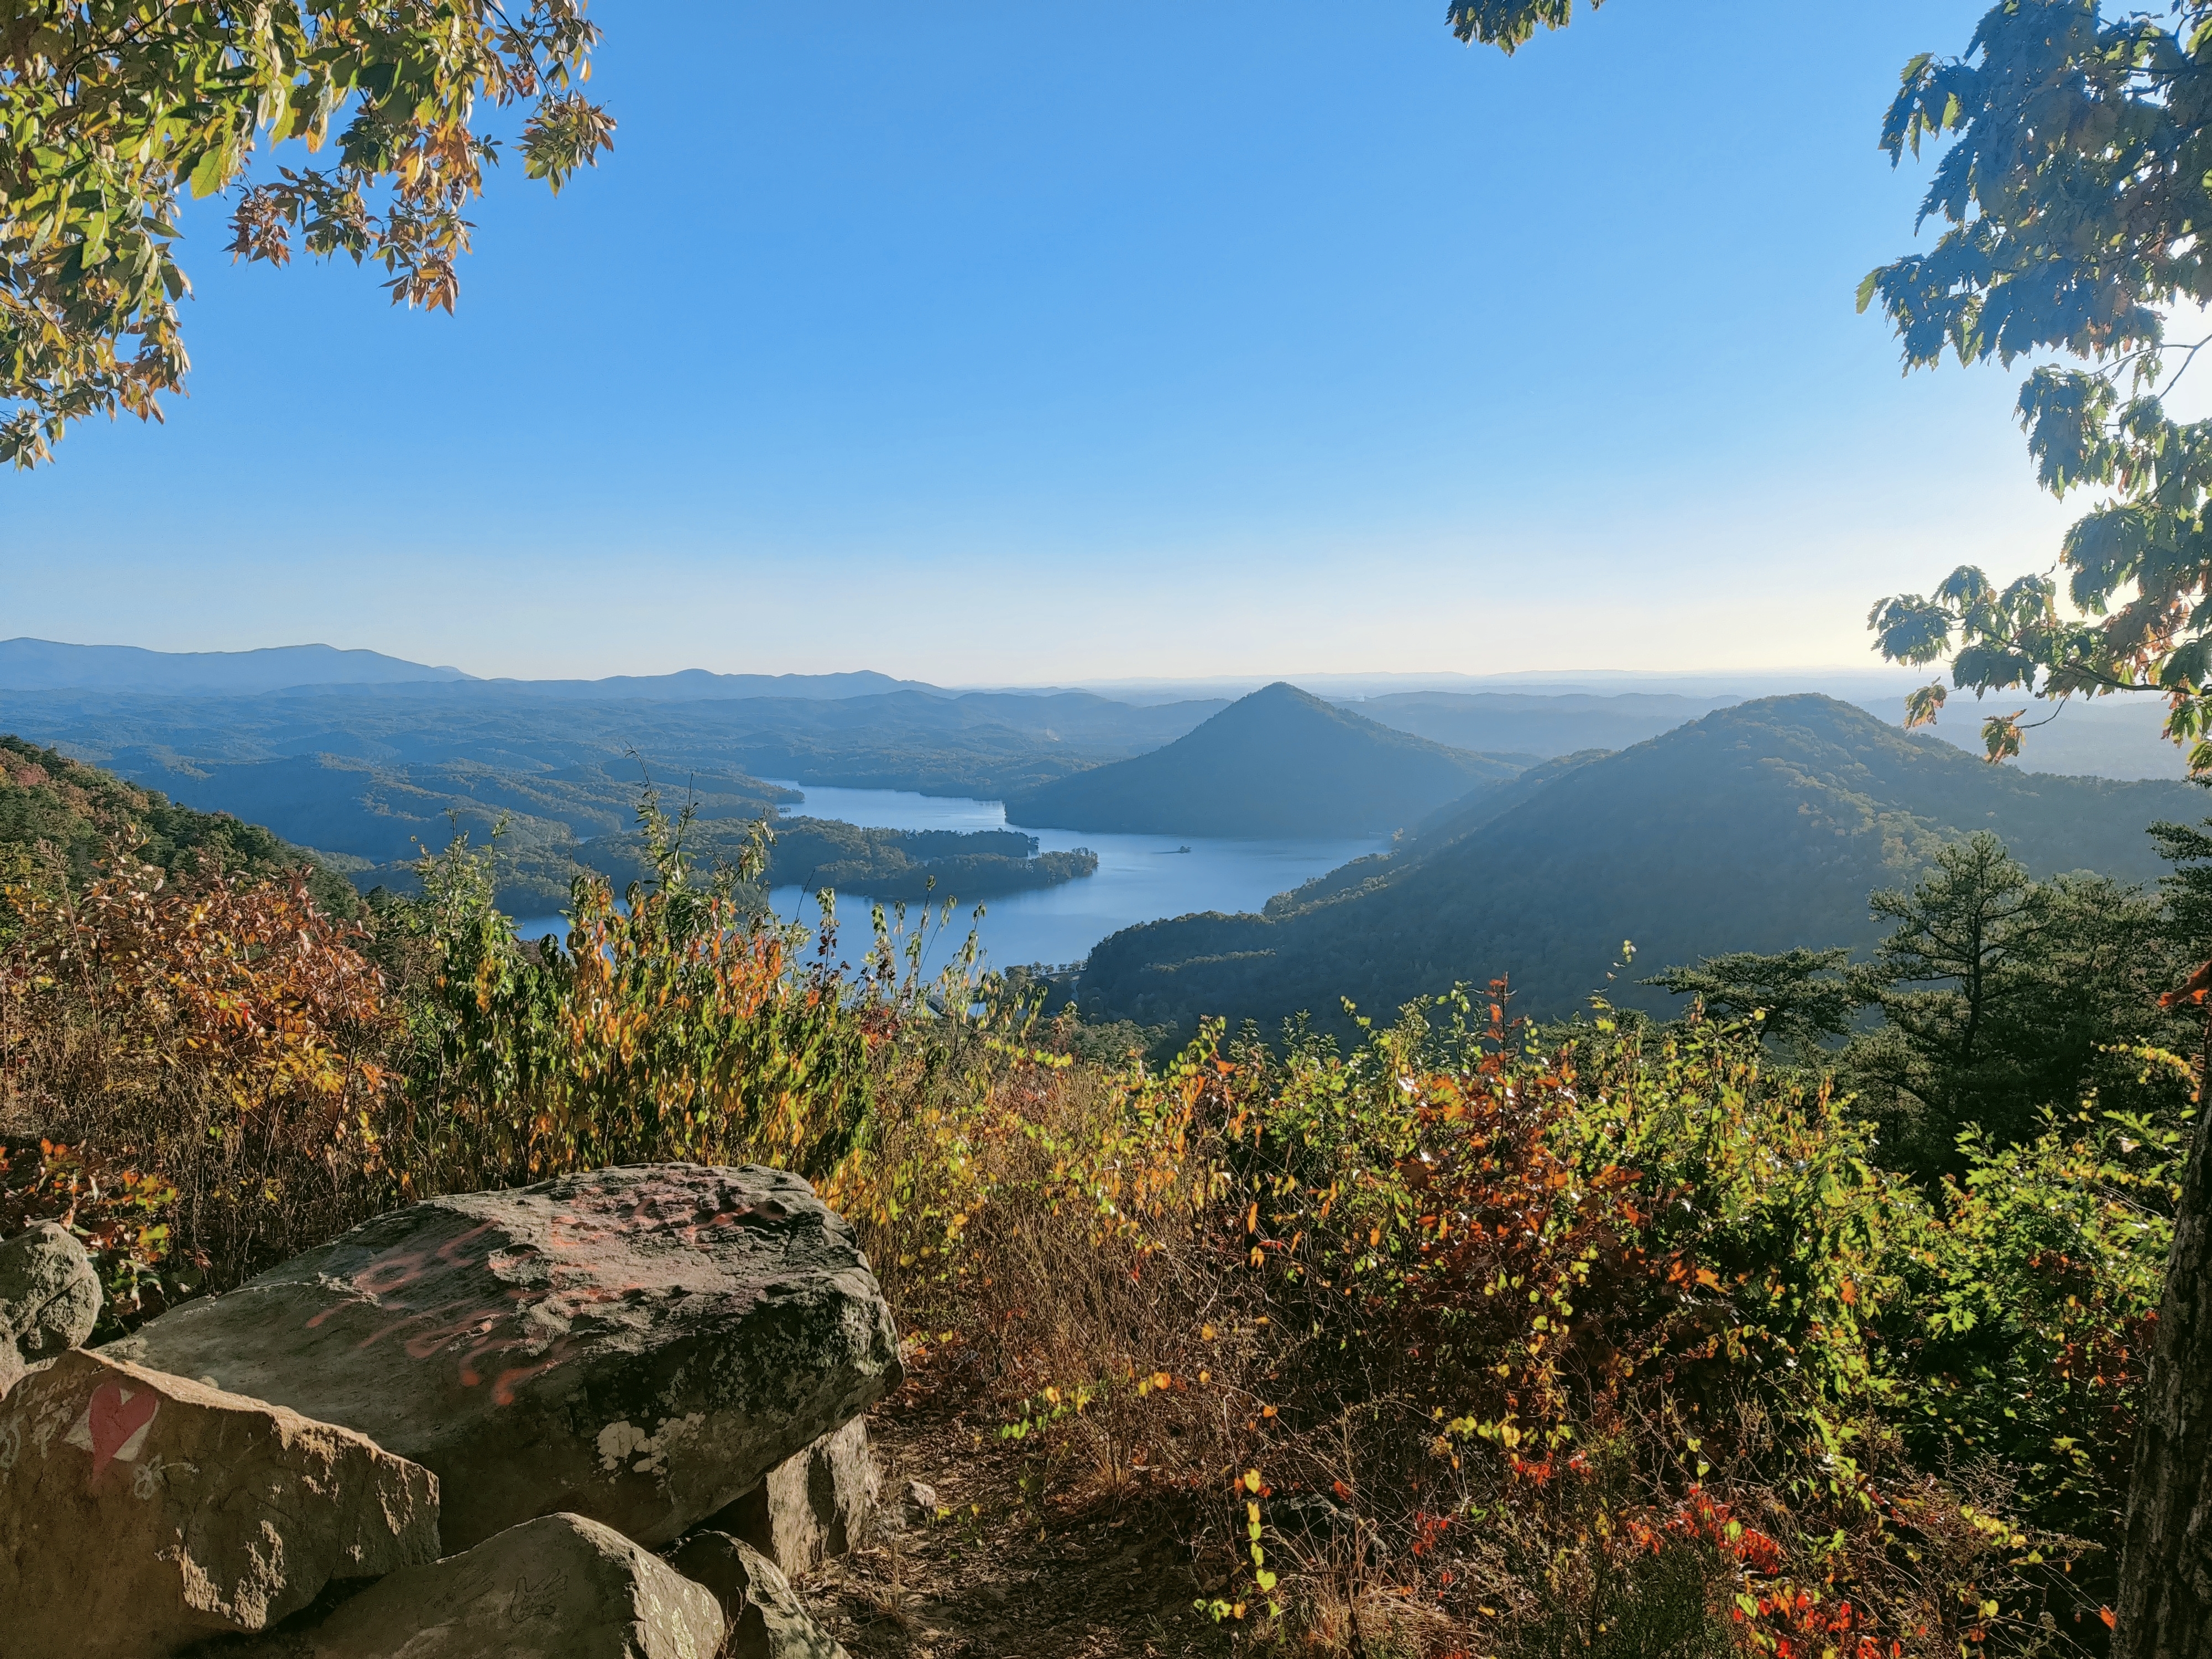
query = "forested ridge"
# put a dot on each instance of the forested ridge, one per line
(1761, 827)
(1280, 762)
(373, 773)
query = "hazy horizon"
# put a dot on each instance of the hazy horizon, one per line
(1686, 679)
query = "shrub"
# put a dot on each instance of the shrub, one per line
(665, 1028)
(1617, 1348)
(193, 1071)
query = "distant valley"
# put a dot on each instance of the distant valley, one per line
(367, 774)
(1535, 830)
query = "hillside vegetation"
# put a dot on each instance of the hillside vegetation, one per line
(53, 807)
(1761, 827)
(370, 775)
(380, 817)
(1278, 763)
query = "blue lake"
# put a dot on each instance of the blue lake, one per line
(1140, 878)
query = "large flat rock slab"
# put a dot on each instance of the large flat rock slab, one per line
(557, 1588)
(639, 1346)
(140, 1512)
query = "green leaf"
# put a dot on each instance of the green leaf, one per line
(208, 176)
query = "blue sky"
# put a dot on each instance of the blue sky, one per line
(996, 344)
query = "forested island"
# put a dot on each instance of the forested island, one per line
(885, 864)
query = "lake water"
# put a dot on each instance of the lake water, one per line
(1140, 878)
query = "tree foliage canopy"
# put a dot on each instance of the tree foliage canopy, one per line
(1508, 23)
(1799, 997)
(2074, 193)
(112, 111)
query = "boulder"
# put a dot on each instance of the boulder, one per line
(49, 1294)
(766, 1619)
(560, 1587)
(140, 1512)
(640, 1345)
(716, 1560)
(818, 1504)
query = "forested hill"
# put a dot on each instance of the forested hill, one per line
(1761, 827)
(51, 806)
(1277, 763)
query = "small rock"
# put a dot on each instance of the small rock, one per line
(49, 1293)
(560, 1587)
(640, 1345)
(816, 1505)
(140, 1512)
(918, 1502)
(768, 1620)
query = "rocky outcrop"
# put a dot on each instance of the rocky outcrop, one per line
(560, 1587)
(767, 1620)
(139, 1512)
(638, 1346)
(49, 1296)
(816, 1505)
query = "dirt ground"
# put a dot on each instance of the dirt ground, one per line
(1000, 1571)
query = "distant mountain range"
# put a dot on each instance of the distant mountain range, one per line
(363, 756)
(980, 744)
(27, 665)
(1280, 763)
(1760, 827)
(43, 666)
(1535, 715)
(699, 685)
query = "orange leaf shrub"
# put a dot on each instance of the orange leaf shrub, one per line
(214, 1051)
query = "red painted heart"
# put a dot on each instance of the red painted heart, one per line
(114, 1419)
